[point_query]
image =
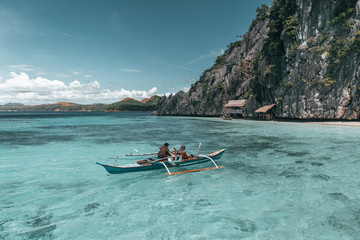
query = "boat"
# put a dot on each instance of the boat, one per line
(152, 163)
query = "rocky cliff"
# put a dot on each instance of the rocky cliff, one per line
(303, 55)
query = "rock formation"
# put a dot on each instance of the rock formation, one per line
(303, 55)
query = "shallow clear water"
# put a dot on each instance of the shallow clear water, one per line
(280, 181)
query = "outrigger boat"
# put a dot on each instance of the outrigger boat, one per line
(152, 163)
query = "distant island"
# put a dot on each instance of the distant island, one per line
(127, 104)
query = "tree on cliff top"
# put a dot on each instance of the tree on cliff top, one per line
(262, 13)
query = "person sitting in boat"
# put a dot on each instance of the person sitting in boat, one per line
(182, 152)
(164, 151)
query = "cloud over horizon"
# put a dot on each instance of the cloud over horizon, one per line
(130, 70)
(22, 88)
(210, 54)
(21, 67)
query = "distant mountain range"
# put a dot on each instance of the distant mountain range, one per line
(14, 104)
(127, 104)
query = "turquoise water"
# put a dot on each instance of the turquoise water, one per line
(280, 181)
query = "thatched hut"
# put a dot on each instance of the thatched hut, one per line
(266, 112)
(235, 108)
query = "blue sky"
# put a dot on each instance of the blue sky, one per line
(88, 51)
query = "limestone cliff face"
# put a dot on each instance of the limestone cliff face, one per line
(322, 74)
(303, 55)
(228, 79)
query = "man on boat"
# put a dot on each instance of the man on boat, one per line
(164, 151)
(183, 153)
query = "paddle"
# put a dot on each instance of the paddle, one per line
(198, 149)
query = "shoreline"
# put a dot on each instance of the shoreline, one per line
(332, 123)
(328, 122)
(345, 123)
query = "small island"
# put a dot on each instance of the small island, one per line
(127, 104)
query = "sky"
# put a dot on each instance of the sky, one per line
(101, 51)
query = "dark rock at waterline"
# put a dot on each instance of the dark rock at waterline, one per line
(339, 196)
(344, 226)
(317, 164)
(39, 221)
(244, 225)
(91, 207)
(297, 154)
(321, 177)
(2, 228)
(40, 232)
(288, 174)
(202, 202)
(248, 192)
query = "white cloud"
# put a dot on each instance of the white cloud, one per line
(87, 76)
(152, 91)
(12, 22)
(172, 89)
(130, 70)
(63, 75)
(41, 73)
(190, 80)
(75, 72)
(188, 69)
(21, 67)
(64, 34)
(24, 89)
(186, 89)
(212, 53)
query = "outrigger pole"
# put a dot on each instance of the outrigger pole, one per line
(210, 159)
(194, 170)
(143, 154)
(167, 169)
(138, 153)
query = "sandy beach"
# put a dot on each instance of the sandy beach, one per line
(335, 123)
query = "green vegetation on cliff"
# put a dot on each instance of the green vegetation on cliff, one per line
(340, 44)
(262, 13)
(282, 19)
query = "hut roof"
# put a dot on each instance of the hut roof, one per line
(236, 103)
(265, 109)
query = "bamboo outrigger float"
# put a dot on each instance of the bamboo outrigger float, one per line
(153, 163)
